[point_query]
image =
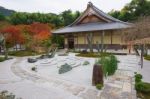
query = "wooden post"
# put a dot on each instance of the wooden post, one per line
(90, 41)
(102, 41)
(77, 42)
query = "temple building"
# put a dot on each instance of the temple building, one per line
(95, 27)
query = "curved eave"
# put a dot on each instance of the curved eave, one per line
(92, 27)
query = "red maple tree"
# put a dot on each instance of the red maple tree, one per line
(13, 35)
(39, 33)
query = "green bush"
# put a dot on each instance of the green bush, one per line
(99, 86)
(142, 87)
(113, 64)
(109, 64)
(2, 59)
(138, 78)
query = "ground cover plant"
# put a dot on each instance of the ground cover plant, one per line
(142, 88)
(99, 86)
(23, 53)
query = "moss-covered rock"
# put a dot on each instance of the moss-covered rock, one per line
(86, 63)
(64, 68)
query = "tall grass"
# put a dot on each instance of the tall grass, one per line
(109, 64)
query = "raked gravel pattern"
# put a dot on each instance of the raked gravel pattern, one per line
(83, 92)
(31, 85)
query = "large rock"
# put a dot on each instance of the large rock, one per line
(64, 68)
(31, 60)
(97, 75)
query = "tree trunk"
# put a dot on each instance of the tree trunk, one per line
(102, 41)
(142, 54)
(5, 50)
(89, 39)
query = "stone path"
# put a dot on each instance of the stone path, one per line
(85, 92)
(121, 85)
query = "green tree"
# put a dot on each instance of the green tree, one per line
(59, 40)
(133, 10)
(2, 17)
(67, 17)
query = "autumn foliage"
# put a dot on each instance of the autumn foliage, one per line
(39, 31)
(13, 35)
(29, 35)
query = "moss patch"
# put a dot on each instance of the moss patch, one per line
(22, 53)
(93, 55)
(147, 57)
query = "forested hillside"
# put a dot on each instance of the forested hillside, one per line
(6, 12)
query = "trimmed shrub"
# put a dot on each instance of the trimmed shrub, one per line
(99, 86)
(113, 64)
(138, 78)
(142, 87)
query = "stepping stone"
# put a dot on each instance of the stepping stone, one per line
(126, 87)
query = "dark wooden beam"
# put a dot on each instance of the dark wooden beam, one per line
(102, 41)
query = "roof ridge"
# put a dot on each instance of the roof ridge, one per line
(104, 14)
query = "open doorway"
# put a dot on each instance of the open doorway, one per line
(70, 42)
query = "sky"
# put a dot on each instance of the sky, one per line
(57, 6)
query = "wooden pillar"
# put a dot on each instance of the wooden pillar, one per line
(77, 42)
(84, 34)
(102, 41)
(111, 37)
(90, 41)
